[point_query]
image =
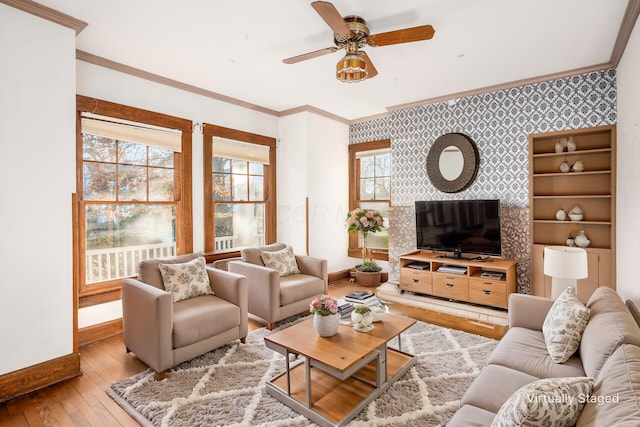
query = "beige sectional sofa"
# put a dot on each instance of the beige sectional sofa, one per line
(609, 352)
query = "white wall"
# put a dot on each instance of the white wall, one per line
(37, 179)
(313, 163)
(628, 176)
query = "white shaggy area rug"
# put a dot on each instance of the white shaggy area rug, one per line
(226, 387)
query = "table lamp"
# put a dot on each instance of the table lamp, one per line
(565, 265)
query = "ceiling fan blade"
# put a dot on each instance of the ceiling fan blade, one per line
(371, 70)
(309, 55)
(331, 16)
(424, 32)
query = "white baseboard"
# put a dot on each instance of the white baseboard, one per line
(390, 291)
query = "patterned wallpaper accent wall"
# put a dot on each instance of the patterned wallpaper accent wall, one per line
(500, 123)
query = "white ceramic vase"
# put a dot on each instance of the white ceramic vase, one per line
(581, 240)
(564, 167)
(378, 313)
(578, 166)
(561, 215)
(558, 147)
(362, 322)
(326, 326)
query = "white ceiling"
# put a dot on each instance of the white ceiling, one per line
(235, 47)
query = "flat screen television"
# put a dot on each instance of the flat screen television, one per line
(459, 226)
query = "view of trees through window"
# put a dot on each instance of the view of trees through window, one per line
(375, 192)
(129, 208)
(239, 203)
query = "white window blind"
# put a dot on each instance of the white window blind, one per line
(169, 139)
(229, 149)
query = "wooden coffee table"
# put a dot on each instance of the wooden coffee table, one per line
(341, 374)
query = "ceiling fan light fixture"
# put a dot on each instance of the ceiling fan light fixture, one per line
(352, 68)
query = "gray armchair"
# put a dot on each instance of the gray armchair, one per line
(273, 297)
(163, 333)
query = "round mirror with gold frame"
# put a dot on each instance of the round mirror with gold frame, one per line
(452, 162)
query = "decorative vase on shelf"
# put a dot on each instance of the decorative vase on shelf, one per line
(564, 167)
(561, 215)
(581, 240)
(576, 214)
(578, 166)
(571, 146)
(326, 326)
(362, 319)
(571, 241)
(558, 147)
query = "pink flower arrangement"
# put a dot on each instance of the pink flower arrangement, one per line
(324, 306)
(365, 221)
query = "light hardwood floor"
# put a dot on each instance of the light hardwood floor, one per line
(82, 401)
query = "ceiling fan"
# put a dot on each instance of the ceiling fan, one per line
(351, 33)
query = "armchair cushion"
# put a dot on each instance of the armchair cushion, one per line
(196, 319)
(283, 260)
(254, 255)
(186, 280)
(297, 287)
(149, 272)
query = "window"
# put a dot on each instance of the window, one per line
(370, 188)
(239, 190)
(130, 187)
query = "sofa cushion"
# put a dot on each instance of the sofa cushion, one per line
(186, 280)
(547, 402)
(616, 396)
(195, 319)
(149, 270)
(297, 287)
(283, 260)
(563, 326)
(254, 255)
(470, 416)
(610, 325)
(525, 350)
(493, 386)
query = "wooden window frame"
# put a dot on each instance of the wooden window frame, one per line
(354, 190)
(210, 131)
(111, 290)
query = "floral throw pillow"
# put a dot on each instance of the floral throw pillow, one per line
(283, 260)
(549, 402)
(564, 325)
(186, 280)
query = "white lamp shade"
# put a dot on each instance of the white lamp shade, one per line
(565, 262)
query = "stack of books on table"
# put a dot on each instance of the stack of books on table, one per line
(344, 307)
(362, 297)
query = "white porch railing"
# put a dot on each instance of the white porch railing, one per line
(115, 263)
(224, 243)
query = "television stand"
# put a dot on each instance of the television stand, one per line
(468, 280)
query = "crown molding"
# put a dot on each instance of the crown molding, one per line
(47, 13)
(314, 110)
(369, 118)
(136, 72)
(626, 27)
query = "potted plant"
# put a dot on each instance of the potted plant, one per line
(362, 318)
(366, 221)
(326, 318)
